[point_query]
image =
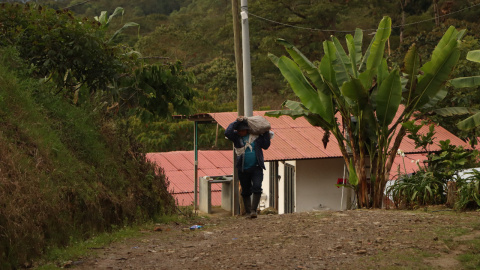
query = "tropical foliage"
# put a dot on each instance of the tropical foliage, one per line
(429, 184)
(356, 97)
(468, 191)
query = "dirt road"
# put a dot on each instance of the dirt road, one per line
(357, 239)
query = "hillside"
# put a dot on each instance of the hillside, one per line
(200, 35)
(66, 172)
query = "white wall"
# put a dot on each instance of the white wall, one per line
(315, 184)
(281, 184)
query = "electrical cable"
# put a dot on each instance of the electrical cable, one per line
(351, 31)
(82, 3)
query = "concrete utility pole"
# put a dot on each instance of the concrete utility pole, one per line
(247, 76)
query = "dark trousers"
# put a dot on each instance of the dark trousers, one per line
(251, 181)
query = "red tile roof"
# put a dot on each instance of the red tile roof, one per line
(406, 165)
(179, 170)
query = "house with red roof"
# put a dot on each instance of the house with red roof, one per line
(301, 174)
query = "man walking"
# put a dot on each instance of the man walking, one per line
(250, 162)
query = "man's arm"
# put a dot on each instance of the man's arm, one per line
(230, 131)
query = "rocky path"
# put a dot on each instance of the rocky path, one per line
(359, 239)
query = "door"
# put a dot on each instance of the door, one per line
(289, 188)
(274, 178)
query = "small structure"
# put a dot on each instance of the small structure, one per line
(179, 168)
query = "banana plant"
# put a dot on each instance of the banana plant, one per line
(105, 22)
(356, 97)
(472, 121)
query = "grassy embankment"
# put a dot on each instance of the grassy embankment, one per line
(66, 172)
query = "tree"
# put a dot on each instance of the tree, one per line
(357, 98)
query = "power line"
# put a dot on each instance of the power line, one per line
(350, 31)
(82, 3)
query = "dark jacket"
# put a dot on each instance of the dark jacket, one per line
(262, 142)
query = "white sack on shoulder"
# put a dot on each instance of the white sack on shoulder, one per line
(258, 125)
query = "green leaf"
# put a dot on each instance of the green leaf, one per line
(342, 64)
(474, 56)
(127, 25)
(356, 93)
(326, 65)
(378, 46)
(353, 54)
(311, 98)
(454, 111)
(469, 123)
(103, 18)
(291, 113)
(363, 63)
(450, 35)
(357, 40)
(305, 64)
(118, 10)
(388, 98)
(436, 73)
(274, 59)
(411, 68)
(297, 109)
(352, 175)
(441, 94)
(382, 72)
(464, 82)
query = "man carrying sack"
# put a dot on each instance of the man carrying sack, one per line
(249, 136)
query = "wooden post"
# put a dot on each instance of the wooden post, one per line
(240, 103)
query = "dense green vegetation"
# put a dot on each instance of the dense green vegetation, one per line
(200, 35)
(66, 172)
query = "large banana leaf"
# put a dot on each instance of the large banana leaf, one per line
(352, 52)
(411, 68)
(312, 71)
(436, 73)
(450, 35)
(356, 94)
(378, 46)
(352, 175)
(441, 94)
(464, 82)
(388, 98)
(125, 26)
(382, 72)
(274, 59)
(357, 40)
(470, 123)
(454, 111)
(314, 100)
(474, 56)
(297, 109)
(342, 65)
(363, 63)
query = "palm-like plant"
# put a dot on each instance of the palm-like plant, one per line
(356, 98)
(468, 192)
(416, 190)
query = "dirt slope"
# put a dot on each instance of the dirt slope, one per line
(358, 239)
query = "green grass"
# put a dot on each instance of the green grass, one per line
(55, 257)
(471, 259)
